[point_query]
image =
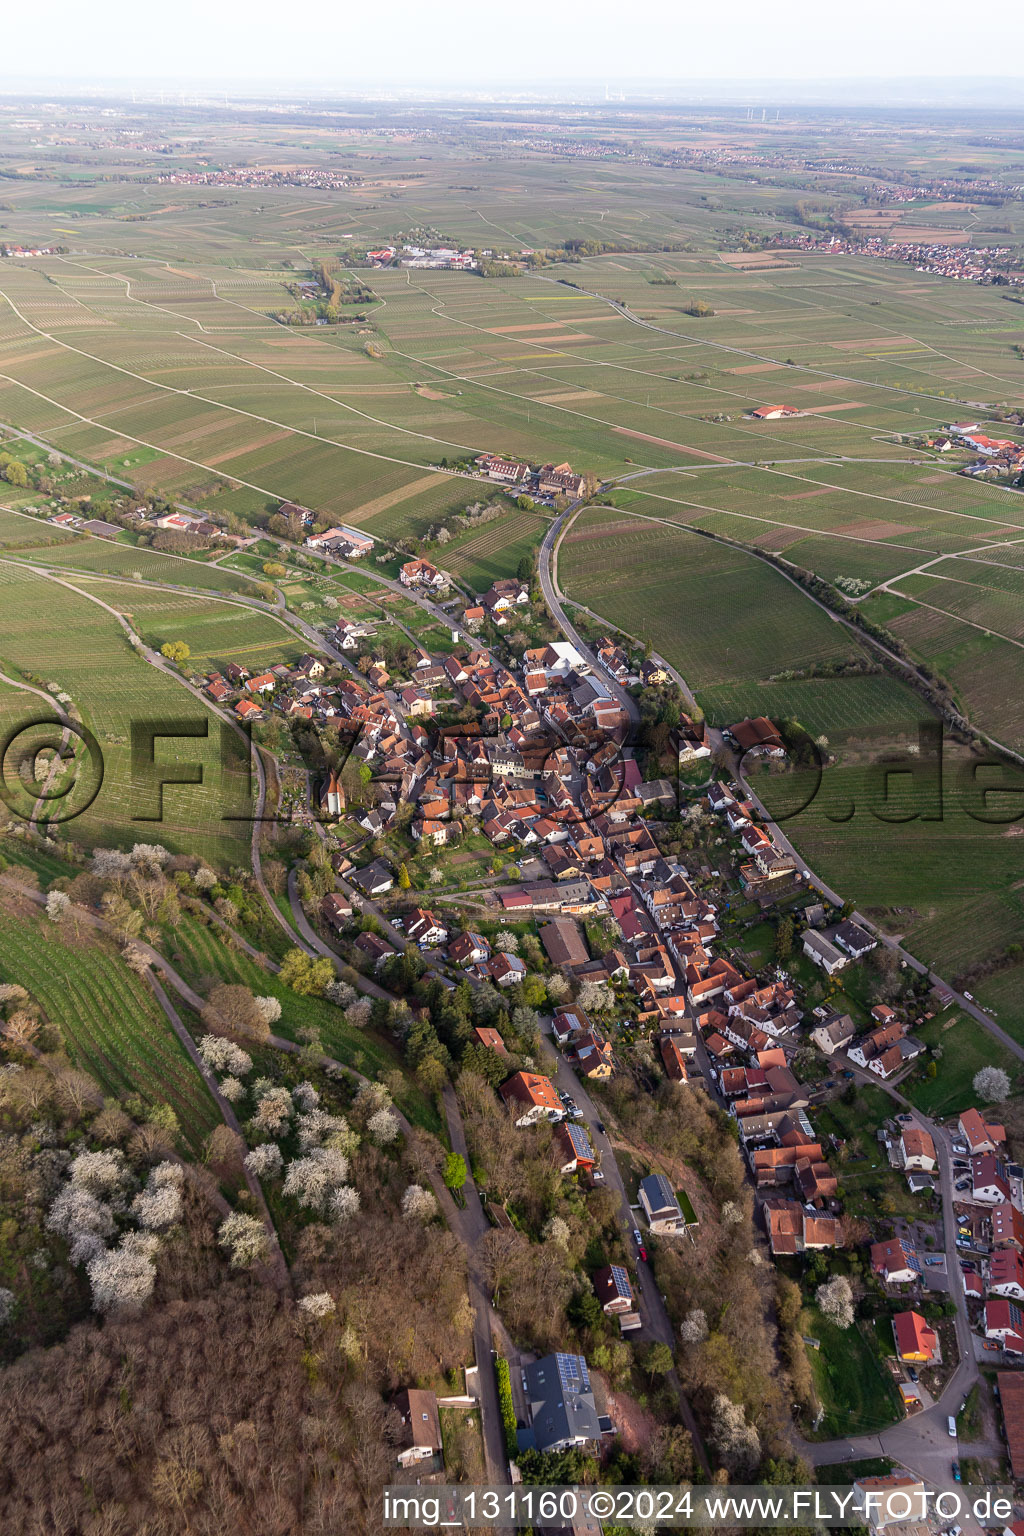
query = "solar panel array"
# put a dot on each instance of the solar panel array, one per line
(620, 1280)
(572, 1373)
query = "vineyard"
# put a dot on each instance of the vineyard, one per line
(203, 955)
(112, 1024)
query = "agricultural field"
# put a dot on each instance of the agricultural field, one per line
(88, 658)
(202, 953)
(112, 1024)
(964, 1047)
(215, 631)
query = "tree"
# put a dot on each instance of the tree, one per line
(274, 569)
(737, 1442)
(317, 1304)
(694, 1327)
(123, 1279)
(657, 1360)
(244, 1239)
(992, 1085)
(784, 939)
(418, 1204)
(404, 880)
(231, 1009)
(455, 1170)
(344, 1203)
(224, 1055)
(264, 1162)
(305, 975)
(57, 903)
(383, 1127)
(176, 651)
(835, 1301)
(268, 1008)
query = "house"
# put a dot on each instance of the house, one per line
(469, 949)
(773, 412)
(423, 928)
(891, 1260)
(336, 909)
(613, 1289)
(834, 1033)
(979, 1135)
(374, 880)
(420, 573)
(473, 617)
(532, 1098)
(572, 1147)
(560, 1402)
(758, 737)
(854, 940)
(990, 1183)
(491, 1039)
(593, 1055)
(568, 1023)
(916, 1149)
(377, 948)
(663, 1211)
(793, 1229)
(653, 674)
(1006, 1274)
(675, 1061)
(420, 1435)
(1011, 1403)
(1007, 1226)
(823, 952)
(247, 710)
(915, 1340)
(889, 1500)
(1005, 1321)
(563, 942)
(266, 682)
(506, 970)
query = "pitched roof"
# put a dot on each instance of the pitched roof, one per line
(913, 1335)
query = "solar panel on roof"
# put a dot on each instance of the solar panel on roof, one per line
(621, 1280)
(572, 1373)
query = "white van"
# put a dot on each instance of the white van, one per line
(951, 1425)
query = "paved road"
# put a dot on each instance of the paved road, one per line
(547, 565)
(657, 1325)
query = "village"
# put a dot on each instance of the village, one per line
(646, 944)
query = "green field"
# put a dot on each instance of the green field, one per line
(966, 1047)
(87, 655)
(851, 1382)
(200, 952)
(111, 1023)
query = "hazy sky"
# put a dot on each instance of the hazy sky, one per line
(469, 44)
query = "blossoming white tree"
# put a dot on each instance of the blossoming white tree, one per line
(122, 1279)
(265, 1162)
(383, 1126)
(418, 1204)
(344, 1203)
(317, 1304)
(244, 1239)
(992, 1085)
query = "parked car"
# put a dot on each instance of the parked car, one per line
(600, 1126)
(969, 996)
(641, 1250)
(956, 1471)
(951, 1426)
(597, 1176)
(932, 1262)
(912, 1373)
(962, 1184)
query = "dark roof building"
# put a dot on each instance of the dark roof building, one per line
(562, 1408)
